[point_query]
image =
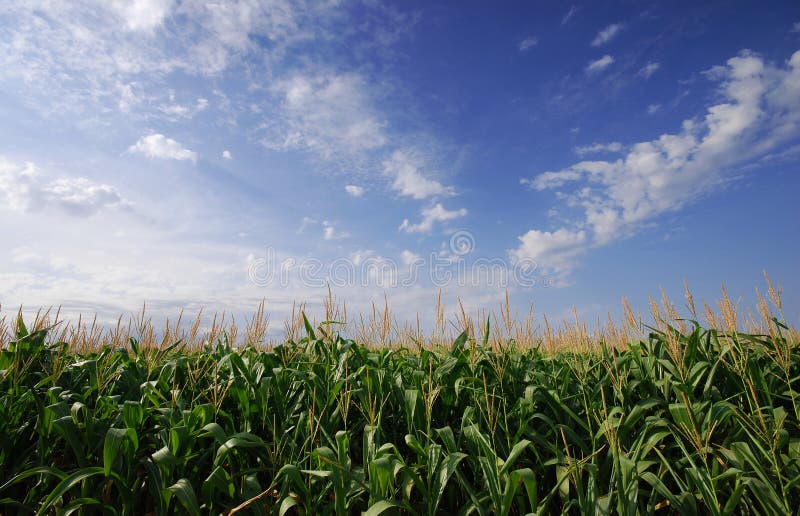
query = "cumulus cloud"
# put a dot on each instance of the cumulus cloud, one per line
(607, 34)
(354, 191)
(24, 188)
(553, 251)
(436, 213)
(226, 154)
(81, 196)
(160, 147)
(598, 65)
(649, 69)
(404, 167)
(758, 113)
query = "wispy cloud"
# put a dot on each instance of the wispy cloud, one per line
(354, 190)
(528, 43)
(607, 34)
(307, 222)
(760, 109)
(567, 17)
(598, 65)
(404, 167)
(649, 69)
(142, 15)
(409, 257)
(77, 56)
(598, 147)
(330, 114)
(653, 109)
(330, 232)
(177, 111)
(436, 213)
(160, 147)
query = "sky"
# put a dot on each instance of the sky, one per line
(190, 154)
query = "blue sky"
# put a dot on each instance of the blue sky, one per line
(175, 152)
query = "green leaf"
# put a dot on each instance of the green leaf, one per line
(458, 344)
(309, 328)
(182, 490)
(22, 330)
(380, 507)
(446, 469)
(516, 451)
(115, 438)
(132, 414)
(65, 485)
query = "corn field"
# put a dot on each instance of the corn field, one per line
(683, 419)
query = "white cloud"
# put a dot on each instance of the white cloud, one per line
(17, 185)
(528, 43)
(409, 258)
(796, 27)
(66, 57)
(81, 196)
(404, 167)
(226, 154)
(567, 17)
(307, 221)
(430, 216)
(598, 147)
(653, 109)
(103, 273)
(354, 191)
(329, 231)
(142, 15)
(607, 34)
(649, 69)
(552, 251)
(598, 65)
(23, 188)
(174, 111)
(329, 114)
(359, 255)
(760, 111)
(160, 147)
(128, 98)
(31, 259)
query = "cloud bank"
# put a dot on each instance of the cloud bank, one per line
(759, 110)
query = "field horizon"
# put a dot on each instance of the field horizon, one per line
(381, 327)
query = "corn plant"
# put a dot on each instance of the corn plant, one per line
(684, 419)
